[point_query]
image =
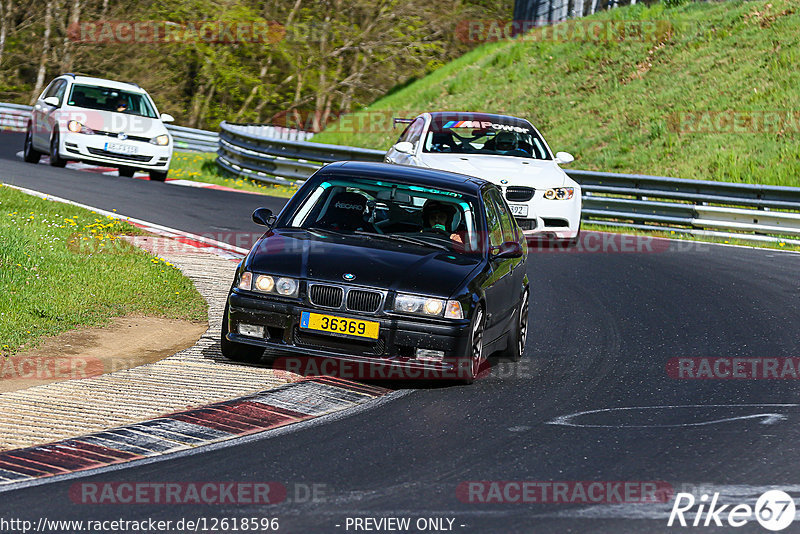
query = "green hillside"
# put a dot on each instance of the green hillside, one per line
(715, 95)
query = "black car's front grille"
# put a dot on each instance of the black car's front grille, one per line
(116, 136)
(339, 344)
(519, 194)
(126, 157)
(363, 301)
(326, 296)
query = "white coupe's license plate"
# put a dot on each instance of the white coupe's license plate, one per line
(518, 210)
(119, 148)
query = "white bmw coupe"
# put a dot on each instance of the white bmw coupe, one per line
(506, 151)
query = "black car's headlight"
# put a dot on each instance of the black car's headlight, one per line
(77, 127)
(559, 193)
(264, 283)
(161, 140)
(430, 306)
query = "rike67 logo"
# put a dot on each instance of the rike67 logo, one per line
(774, 510)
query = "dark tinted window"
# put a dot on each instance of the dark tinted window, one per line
(506, 219)
(493, 221)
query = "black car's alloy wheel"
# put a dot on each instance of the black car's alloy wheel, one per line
(30, 154)
(55, 158)
(475, 354)
(515, 347)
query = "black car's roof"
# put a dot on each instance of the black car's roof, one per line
(444, 116)
(458, 183)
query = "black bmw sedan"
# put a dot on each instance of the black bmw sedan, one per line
(376, 266)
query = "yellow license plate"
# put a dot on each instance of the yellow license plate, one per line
(339, 325)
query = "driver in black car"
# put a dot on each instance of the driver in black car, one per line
(438, 218)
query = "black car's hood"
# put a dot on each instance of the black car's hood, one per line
(375, 262)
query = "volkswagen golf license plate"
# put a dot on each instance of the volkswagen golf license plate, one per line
(120, 148)
(339, 325)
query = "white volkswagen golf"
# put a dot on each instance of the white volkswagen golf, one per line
(507, 151)
(99, 121)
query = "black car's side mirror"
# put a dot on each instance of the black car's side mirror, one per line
(264, 217)
(509, 249)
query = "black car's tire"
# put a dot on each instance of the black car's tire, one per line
(127, 172)
(30, 154)
(158, 176)
(238, 352)
(515, 347)
(471, 363)
(55, 157)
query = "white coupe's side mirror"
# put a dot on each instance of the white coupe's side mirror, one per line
(166, 117)
(405, 147)
(52, 101)
(563, 158)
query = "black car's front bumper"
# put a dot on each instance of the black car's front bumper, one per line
(395, 348)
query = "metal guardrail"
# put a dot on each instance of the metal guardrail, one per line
(244, 153)
(700, 207)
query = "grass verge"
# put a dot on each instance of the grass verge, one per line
(201, 167)
(62, 267)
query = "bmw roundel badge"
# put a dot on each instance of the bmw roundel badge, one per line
(504, 182)
(349, 276)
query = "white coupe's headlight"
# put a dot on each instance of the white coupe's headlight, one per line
(430, 306)
(559, 193)
(161, 140)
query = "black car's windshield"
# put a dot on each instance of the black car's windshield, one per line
(489, 137)
(405, 213)
(108, 99)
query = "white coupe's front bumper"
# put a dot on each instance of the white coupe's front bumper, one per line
(94, 148)
(550, 219)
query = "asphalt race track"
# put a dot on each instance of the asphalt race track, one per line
(603, 328)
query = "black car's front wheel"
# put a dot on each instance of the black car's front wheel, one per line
(471, 364)
(238, 352)
(515, 347)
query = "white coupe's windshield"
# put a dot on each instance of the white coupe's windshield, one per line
(492, 137)
(417, 215)
(108, 99)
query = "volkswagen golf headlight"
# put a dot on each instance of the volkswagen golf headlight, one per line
(430, 306)
(559, 193)
(77, 127)
(161, 140)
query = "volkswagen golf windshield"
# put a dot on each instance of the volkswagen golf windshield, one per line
(108, 99)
